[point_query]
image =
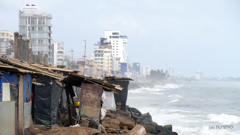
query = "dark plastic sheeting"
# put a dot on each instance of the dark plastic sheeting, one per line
(46, 101)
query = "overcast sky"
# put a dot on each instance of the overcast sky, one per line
(190, 35)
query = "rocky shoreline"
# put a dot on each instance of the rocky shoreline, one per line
(121, 122)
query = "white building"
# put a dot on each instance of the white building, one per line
(118, 43)
(145, 70)
(38, 22)
(58, 53)
(103, 58)
(171, 72)
(5, 47)
(116, 66)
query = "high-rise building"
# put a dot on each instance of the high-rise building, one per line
(103, 59)
(58, 53)
(103, 56)
(145, 70)
(171, 72)
(36, 24)
(6, 47)
(118, 43)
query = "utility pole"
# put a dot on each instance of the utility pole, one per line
(72, 57)
(84, 57)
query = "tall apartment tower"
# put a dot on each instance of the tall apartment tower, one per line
(118, 43)
(5, 47)
(103, 56)
(58, 53)
(38, 22)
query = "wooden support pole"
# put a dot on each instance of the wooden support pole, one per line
(69, 109)
(20, 106)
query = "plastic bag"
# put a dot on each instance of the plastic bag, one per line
(103, 96)
(103, 113)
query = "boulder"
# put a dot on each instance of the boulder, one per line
(164, 130)
(162, 133)
(149, 129)
(126, 122)
(154, 131)
(168, 127)
(146, 116)
(174, 133)
(111, 123)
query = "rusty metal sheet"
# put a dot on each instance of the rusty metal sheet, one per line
(91, 98)
(91, 95)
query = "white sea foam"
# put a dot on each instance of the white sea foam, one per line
(156, 88)
(224, 118)
(174, 101)
(176, 96)
(155, 93)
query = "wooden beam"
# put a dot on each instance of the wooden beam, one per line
(20, 106)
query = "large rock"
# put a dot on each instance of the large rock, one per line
(149, 129)
(163, 130)
(111, 123)
(126, 122)
(146, 116)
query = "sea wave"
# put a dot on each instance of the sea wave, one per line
(176, 96)
(224, 118)
(155, 89)
(174, 101)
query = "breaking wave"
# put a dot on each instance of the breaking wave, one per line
(155, 89)
(224, 118)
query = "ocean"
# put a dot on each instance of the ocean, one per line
(192, 109)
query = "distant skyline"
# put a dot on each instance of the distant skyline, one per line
(189, 35)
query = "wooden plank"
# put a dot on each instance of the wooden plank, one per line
(20, 106)
(137, 130)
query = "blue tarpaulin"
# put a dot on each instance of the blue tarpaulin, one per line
(14, 79)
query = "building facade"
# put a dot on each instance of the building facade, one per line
(145, 70)
(118, 43)
(103, 58)
(116, 66)
(6, 47)
(58, 53)
(36, 24)
(171, 72)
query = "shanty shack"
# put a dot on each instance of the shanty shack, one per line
(35, 91)
(121, 97)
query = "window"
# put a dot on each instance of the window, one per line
(23, 28)
(116, 40)
(113, 43)
(117, 52)
(34, 20)
(117, 43)
(113, 40)
(113, 51)
(115, 33)
(41, 21)
(2, 34)
(23, 20)
(41, 28)
(40, 41)
(33, 28)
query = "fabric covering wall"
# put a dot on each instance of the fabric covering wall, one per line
(46, 101)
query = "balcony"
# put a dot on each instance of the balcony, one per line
(37, 15)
